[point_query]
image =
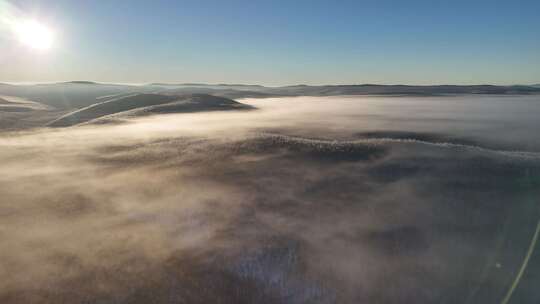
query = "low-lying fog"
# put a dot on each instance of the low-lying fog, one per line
(305, 200)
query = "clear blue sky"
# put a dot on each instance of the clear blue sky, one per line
(281, 42)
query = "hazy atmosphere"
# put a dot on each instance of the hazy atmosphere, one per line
(269, 152)
(277, 42)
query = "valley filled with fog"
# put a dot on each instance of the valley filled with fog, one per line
(296, 199)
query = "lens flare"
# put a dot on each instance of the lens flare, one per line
(34, 34)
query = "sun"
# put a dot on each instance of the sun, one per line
(34, 34)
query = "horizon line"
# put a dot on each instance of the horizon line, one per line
(23, 83)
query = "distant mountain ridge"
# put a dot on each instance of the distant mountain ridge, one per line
(403, 90)
(80, 82)
(206, 84)
(79, 94)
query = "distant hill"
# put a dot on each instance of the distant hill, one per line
(146, 104)
(221, 85)
(191, 103)
(239, 91)
(80, 82)
(222, 92)
(110, 107)
(80, 94)
(368, 89)
(71, 95)
(16, 104)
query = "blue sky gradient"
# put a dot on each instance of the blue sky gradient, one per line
(281, 42)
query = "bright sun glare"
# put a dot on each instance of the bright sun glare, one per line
(34, 34)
